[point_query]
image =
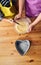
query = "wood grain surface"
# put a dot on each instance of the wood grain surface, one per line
(8, 52)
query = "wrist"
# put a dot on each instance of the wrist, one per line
(20, 13)
(31, 24)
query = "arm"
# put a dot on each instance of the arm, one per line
(21, 4)
(34, 23)
(37, 20)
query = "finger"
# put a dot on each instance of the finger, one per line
(29, 30)
(15, 18)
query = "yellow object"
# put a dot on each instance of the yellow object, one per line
(22, 28)
(6, 10)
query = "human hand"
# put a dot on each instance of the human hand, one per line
(18, 16)
(30, 28)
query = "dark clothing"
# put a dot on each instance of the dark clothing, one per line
(7, 2)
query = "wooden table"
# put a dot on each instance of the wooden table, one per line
(8, 52)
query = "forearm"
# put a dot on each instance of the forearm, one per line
(37, 20)
(21, 4)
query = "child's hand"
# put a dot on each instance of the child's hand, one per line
(30, 28)
(17, 16)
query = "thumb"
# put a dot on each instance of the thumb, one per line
(29, 29)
